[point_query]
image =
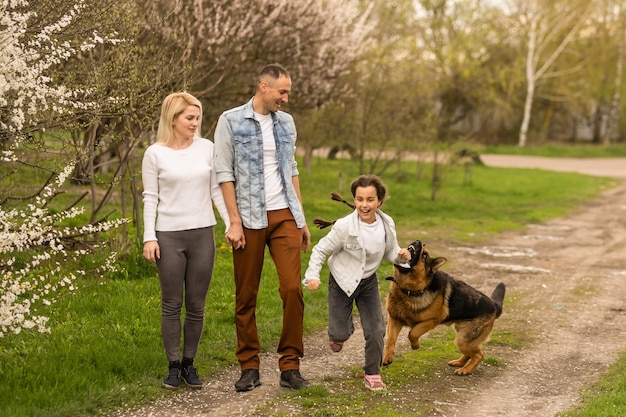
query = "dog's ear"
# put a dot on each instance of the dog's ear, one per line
(436, 263)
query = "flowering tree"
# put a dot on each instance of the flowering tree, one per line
(26, 57)
(43, 273)
(225, 43)
(33, 238)
(319, 41)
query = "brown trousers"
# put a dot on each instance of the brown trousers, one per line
(283, 239)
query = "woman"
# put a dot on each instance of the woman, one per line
(180, 189)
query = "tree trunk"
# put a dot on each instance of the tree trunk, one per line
(540, 36)
(436, 179)
(307, 159)
(83, 169)
(612, 124)
(530, 81)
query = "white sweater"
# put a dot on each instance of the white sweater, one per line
(180, 189)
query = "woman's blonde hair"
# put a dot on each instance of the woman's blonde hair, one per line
(172, 107)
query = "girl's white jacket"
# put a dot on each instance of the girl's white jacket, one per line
(347, 252)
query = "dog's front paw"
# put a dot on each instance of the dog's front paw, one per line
(415, 345)
(458, 363)
(387, 360)
(461, 372)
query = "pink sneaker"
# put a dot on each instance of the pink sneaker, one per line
(374, 382)
(335, 346)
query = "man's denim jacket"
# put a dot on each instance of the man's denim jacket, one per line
(239, 159)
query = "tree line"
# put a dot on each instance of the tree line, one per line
(377, 77)
(366, 73)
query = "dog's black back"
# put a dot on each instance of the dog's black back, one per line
(464, 301)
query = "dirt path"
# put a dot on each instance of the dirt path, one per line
(566, 284)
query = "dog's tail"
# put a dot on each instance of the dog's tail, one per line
(498, 297)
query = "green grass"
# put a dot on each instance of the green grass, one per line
(105, 349)
(606, 398)
(101, 335)
(498, 199)
(560, 150)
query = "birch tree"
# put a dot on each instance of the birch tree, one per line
(548, 29)
(613, 118)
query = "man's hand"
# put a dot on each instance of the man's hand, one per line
(235, 236)
(306, 239)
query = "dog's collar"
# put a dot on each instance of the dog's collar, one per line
(410, 293)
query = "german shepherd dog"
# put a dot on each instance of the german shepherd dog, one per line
(422, 297)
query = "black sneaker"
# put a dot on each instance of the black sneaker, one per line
(248, 381)
(292, 379)
(173, 379)
(190, 376)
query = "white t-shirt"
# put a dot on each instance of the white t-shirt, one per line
(180, 188)
(373, 235)
(275, 198)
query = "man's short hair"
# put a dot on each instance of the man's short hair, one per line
(274, 71)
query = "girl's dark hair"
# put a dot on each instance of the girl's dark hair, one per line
(361, 181)
(370, 180)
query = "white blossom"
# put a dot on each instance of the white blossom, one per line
(26, 89)
(25, 58)
(22, 230)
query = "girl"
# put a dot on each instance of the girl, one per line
(357, 244)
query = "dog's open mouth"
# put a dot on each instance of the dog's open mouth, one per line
(415, 249)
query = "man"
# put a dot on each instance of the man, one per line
(257, 171)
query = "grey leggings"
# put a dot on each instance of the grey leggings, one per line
(185, 268)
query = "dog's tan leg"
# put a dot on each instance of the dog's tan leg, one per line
(393, 330)
(471, 364)
(459, 362)
(469, 338)
(418, 330)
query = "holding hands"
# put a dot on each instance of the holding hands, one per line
(235, 236)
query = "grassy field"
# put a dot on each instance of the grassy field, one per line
(105, 349)
(560, 151)
(606, 398)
